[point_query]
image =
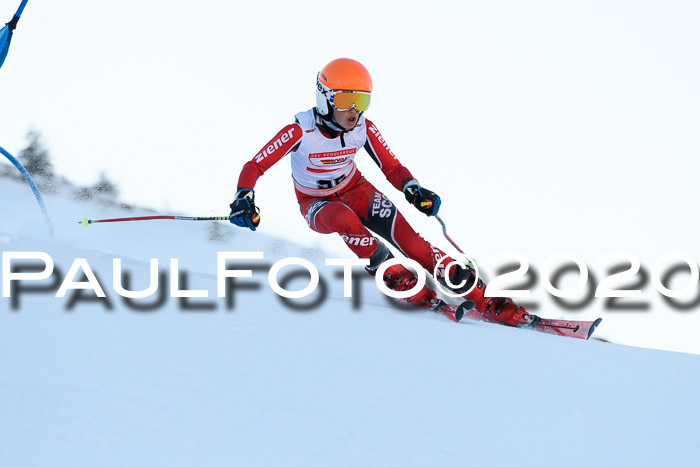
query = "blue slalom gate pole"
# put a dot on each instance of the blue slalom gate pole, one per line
(6, 32)
(29, 180)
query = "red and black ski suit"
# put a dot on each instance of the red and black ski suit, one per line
(334, 197)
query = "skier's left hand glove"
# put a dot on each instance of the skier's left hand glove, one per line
(423, 199)
(244, 213)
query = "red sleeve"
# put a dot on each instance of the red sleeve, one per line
(273, 151)
(386, 160)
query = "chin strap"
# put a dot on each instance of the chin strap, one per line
(327, 121)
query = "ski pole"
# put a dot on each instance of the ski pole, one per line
(87, 221)
(471, 261)
(444, 232)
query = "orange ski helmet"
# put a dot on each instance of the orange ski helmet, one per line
(342, 74)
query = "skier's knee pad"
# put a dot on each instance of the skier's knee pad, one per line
(381, 254)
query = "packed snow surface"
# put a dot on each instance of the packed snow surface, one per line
(197, 381)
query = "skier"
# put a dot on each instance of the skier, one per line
(335, 198)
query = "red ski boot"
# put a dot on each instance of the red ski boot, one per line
(496, 309)
(398, 278)
(505, 311)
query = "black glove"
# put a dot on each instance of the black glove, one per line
(244, 213)
(423, 199)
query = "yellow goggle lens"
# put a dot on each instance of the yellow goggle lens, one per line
(345, 100)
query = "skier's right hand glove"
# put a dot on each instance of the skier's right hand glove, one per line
(423, 199)
(244, 213)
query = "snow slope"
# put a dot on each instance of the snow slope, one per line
(261, 384)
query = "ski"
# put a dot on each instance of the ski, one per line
(560, 327)
(457, 312)
(450, 311)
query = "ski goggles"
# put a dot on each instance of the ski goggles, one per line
(345, 100)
